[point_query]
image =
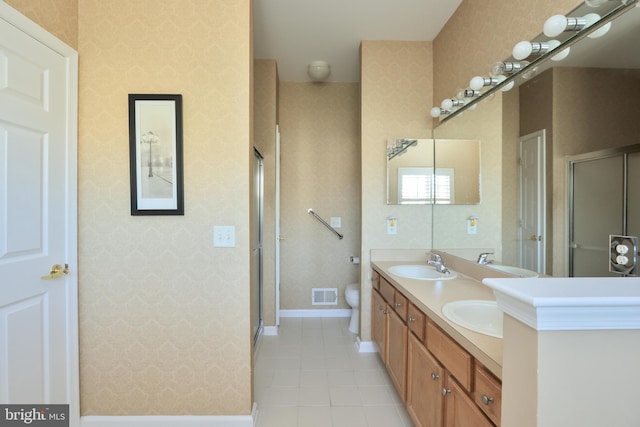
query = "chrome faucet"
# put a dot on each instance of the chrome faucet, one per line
(436, 261)
(482, 258)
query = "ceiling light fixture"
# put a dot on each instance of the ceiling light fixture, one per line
(319, 70)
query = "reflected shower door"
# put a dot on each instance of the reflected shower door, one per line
(633, 194)
(597, 212)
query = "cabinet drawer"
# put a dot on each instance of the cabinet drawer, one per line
(451, 355)
(415, 321)
(400, 305)
(488, 394)
(387, 291)
(375, 280)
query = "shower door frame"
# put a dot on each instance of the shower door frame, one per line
(624, 151)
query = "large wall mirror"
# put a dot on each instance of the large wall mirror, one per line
(587, 103)
(427, 171)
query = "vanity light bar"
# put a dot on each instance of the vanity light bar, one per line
(501, 71)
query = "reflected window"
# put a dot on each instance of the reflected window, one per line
(417, 185)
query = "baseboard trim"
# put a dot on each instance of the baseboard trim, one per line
(344, 312)
(270, 331)
(171, 420)
(366, 346)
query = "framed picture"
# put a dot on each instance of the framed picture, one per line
(155, 154)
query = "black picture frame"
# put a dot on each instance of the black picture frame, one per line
(155, 154)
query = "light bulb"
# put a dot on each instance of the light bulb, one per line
(447, 104)
(522, 50)
(555, 25)
(602, 30)
(506, 87)
(435, 112)
(478, 82)
(503, 68)
(592, 18)
(559, 56)
(497, 69)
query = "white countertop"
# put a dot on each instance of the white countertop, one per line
(590, 303)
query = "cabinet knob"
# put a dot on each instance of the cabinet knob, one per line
(398, 304)
(486, 400)
(412, 319)
(435, 376)
(384, 311)
(445, 391)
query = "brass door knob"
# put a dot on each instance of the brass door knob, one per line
(56, 271)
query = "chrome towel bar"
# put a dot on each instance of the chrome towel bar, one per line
(311, 212)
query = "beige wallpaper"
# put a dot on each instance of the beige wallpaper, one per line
(164, 316)
(265, 99)
(320, 169)
(59, 17)
(396, 96)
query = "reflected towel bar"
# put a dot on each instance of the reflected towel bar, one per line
(311, 212)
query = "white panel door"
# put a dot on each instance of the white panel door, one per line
(38, 318)
(532, 202)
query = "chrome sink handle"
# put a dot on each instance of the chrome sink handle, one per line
(482, 258)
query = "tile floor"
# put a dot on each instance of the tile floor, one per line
(312, 375)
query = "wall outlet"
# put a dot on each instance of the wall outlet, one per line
(624, 255)
(336, 222)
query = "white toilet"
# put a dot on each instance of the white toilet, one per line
(352, 295)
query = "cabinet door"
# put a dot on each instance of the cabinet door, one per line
(379, 324)
(425, 381)
(397, 353)
(460, 410)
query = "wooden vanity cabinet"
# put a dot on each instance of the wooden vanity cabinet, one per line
(416, 322)
(425, 381)
(441, 384)
(455, 358)
(488, 393)
(390, 333)
(379, 324)
(397, 353)
(460, 409)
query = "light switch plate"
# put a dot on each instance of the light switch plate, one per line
(224, 236)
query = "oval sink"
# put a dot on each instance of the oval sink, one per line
(478, 315)
(420, 272)
(516, 271)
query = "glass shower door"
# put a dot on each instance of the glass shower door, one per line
(633, 195)
(597, 211)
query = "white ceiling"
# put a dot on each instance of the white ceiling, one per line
(296, 32)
